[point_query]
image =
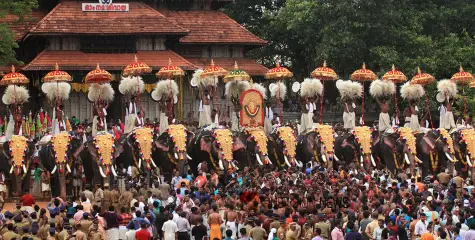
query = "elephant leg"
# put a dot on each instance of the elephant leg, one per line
(17, 185)
(62, 185)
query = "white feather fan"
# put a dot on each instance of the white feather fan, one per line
(261, 89)
(203, 82)
(54, 90)
(447, 88)
(162, 89)
(131, 85)
(234, 89)
(102, 91)
(349, 90)
(311, 87)
(380, 88)
(18, 94)
(412, 91)
(278, 90)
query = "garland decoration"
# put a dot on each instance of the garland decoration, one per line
(18, 147)
(434, 162)
(105, 148)
(177, 132)
(144, 139)
(364, 137)
(325, 133)
(61, 144)
(286, 135)
(260, 139)
(224, 139)
(447, 139)
(406, 135)
(468, 137)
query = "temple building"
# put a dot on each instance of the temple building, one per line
(78, 35)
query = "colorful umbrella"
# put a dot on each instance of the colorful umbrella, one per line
(323, 73)
(424, 79)
(170, 71)
(13, 78)
(98, 75)
(213, 71)
(463, 78)
(363, 75)
(136, 68)
(396, 77)
(236, 75)
(57, 76)
(279, 73)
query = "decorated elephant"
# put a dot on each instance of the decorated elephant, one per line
(435, 149)
(256, 144)
(101, 155)
(355, 147)
(464, 148)
(15, 163)
(57, 156)
(284, 147)
(317, 145)
(219, 149)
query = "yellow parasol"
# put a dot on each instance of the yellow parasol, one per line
(363, 75)
(14, 78)
(323, 73)
(236, 75)
(214, 72)
(279, 73)
(424, 79)
(396, 77)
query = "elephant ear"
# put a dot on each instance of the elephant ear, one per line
(92, 150)
(237, 144)
(205, 144)
(311, 139)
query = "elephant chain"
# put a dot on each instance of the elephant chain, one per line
(433, 162)
(277, 158)
(170, 157)
(461, 158)
(396, 162)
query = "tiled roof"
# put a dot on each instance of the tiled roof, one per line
(250, 66)
(68, 18)
(77, 60)
(212, 27)
(21, 28)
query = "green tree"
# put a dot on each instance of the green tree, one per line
(20, 8)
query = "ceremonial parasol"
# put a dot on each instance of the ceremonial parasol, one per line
(463, 78)
(98, 76)
(214, 72)
(136, 69)
(169, 72)
(363, 75)
(424, 79)
(323, 73)
(14, 79)
(57, 76)
(278, 73)
(236, 75)
(396, 77)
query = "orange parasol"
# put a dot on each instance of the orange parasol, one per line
(396, 77)
(323, 73)
(14, 78)
(424, 79)
(136, 68)
(213, 71)
(463, 78)
(57, 76)
(170, 71)
(98, 75)
(363, 75)
(279, 73)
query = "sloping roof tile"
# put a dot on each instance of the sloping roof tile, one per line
(21, 28)
(212, 27)
(77, 60)
(250, 66)
(68, 18)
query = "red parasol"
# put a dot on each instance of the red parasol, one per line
(136, 68)
(170, 71)
(57, 76)
(396, 77)
(14, 78)
(279, 73)
(215, 72)
(424, 79)
(363, 75)
(98, 75)
(323, 73)
(463, 78)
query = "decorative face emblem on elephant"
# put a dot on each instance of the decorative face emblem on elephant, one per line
(256, 146)
(436, 150)
(102, 149)
(285, 147)
(464, 148)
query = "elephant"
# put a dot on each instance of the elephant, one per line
(355, 147)
(318, 146)
(462, 146)
(284, 147)
(257, 146)
(13, 164)
(57, 163)
(218, 149)
(435, 148)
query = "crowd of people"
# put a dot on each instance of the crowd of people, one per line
(257, 204)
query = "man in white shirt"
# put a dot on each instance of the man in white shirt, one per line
(378, 231)
(421, 226)
(169, 229)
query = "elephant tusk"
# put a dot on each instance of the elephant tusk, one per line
(299, 163)
(221, 164)
(311, 164)
(406, 158)
(188, 156)
(287, 161)
(259, 159)
(24, 168)
(68, 168)
(361, 159)
(234, 165)
(176, 156)
(324, 159)
(54, 169)
(417, 159)
(268, 160)
(372, 160)
(140, 163)
(102, 172)
(153, 163)
(113, 171)
(449, 157)
(468, 160)
(361, 164)
(336, 158)
(11, 169)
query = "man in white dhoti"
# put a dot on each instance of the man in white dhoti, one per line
(269, 115)
(131, 115)
(414, 122)
(384, 123)
(205, 109)
(163, 115)
(447, 91)
(349, 117)
(448, 121)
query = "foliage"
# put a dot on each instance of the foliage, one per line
(20, 8)
(432, 34)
